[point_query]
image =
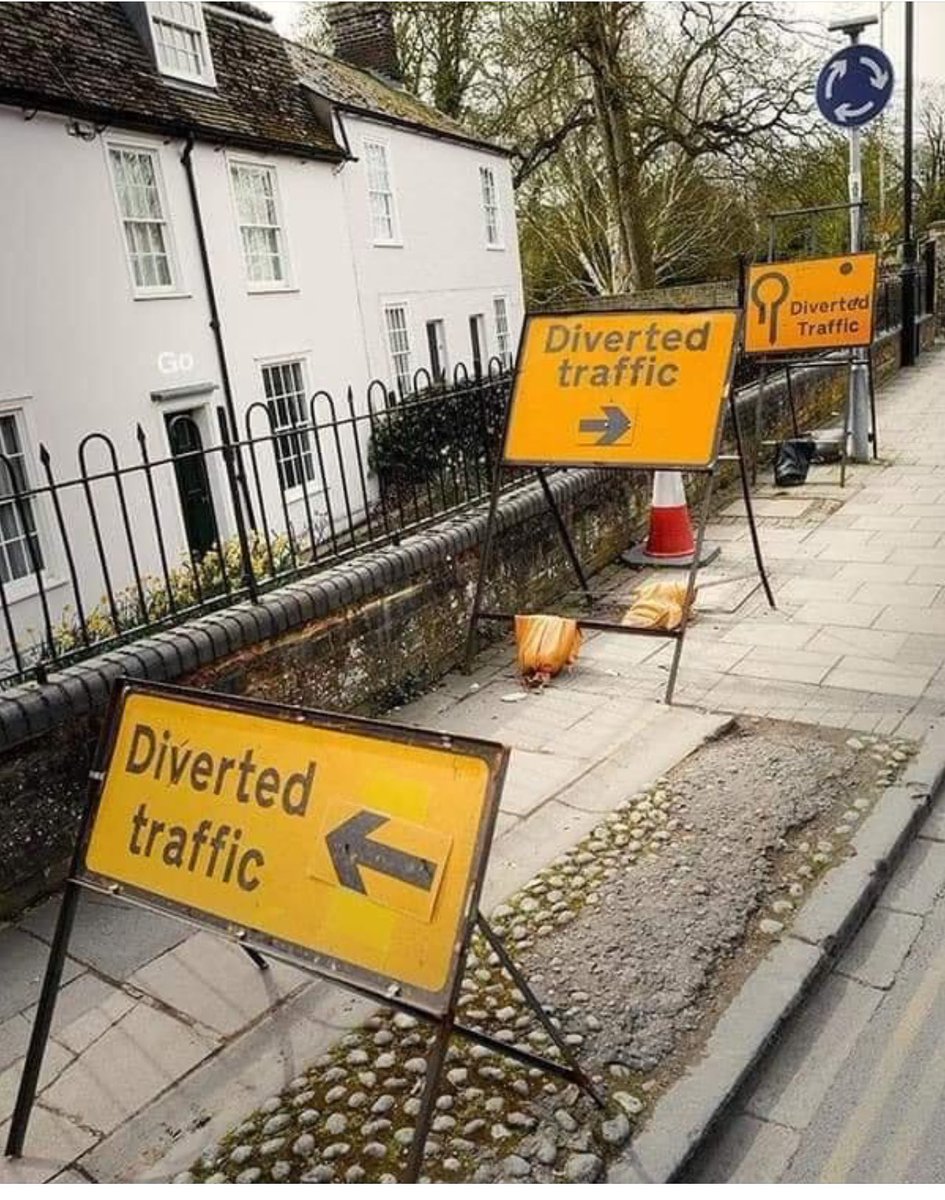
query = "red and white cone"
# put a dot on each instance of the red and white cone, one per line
(670, 542)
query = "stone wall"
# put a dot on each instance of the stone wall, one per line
(358, 638)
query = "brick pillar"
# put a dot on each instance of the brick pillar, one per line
(363, 35)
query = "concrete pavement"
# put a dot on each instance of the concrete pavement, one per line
(164, 1035)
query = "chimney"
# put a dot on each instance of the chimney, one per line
(363, 35)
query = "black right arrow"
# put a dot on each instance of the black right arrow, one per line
(351, 848)
(613, 426)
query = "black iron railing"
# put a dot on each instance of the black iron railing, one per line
(142, 538)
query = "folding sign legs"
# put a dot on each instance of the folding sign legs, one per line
(42, 1021)
(447, 1025)
(690, 587)
(565, 537)
(577, 1072)
(749, 507)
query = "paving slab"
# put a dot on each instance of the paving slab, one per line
(112, 937)
(142, 1055)
(14, 1038)
(534, 776)
(216, 985)
(24, 963)
(52, 1142)
(55, 1061)
(170, 1133)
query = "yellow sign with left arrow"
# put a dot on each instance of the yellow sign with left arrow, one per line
(357, 844)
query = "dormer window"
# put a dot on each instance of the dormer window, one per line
(180, 42)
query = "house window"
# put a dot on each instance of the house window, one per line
(17, 521)
(257, 213)
(398, 340)
(381, 193)
(477, 342)
(490, 205)
(284, 385)
(436, 343)
(502, 338)
(140, 204)
(180, 41)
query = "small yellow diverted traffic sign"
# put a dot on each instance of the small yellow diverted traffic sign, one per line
(812, 304)
(356, 846)
(621, 389)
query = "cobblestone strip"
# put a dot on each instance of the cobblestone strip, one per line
(350, 1117)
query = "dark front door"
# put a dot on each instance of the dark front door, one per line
(193, 482)
(475, 341)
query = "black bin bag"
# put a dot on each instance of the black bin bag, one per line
(792, 460)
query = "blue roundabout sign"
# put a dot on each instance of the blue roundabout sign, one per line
(854, 86)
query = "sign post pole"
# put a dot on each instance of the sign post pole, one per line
(853, 88)
(859, 395)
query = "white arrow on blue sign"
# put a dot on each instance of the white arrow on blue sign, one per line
(854, 86)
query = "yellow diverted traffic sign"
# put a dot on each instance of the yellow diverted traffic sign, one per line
(621, 389)
(813, 304)
(354, 845)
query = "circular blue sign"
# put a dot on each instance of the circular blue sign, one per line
(854, 86)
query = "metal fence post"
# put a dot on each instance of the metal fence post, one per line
(249, 578)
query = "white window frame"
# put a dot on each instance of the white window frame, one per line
(383, 145)
(237, 163)
(395, 374)
(312, 485)
(140, 291)
(492, 225)
(506, 355)
(206, 76)
(26, 586)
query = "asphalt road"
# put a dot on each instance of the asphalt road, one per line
(854, 1091)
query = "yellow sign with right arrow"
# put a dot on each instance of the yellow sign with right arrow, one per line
(621, 389)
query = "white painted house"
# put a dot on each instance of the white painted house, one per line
(198, 216)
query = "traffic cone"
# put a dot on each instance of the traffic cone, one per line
(670, 541)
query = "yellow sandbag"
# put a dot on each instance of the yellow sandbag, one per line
(545, 645)
(657, 605)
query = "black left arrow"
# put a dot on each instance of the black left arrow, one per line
(613, 425)
(351, 848)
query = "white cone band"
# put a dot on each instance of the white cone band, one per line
(668, 489)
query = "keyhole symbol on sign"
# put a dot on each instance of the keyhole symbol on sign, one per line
(768, 293)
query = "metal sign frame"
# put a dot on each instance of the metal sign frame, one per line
(849, 357)
(480, 614)
(257, 945)
(494, 755)
(609, 464)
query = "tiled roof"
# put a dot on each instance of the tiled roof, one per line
(349, 87)
(87, 60)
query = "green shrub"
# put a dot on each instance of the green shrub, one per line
(446, 431)
(186, 586)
